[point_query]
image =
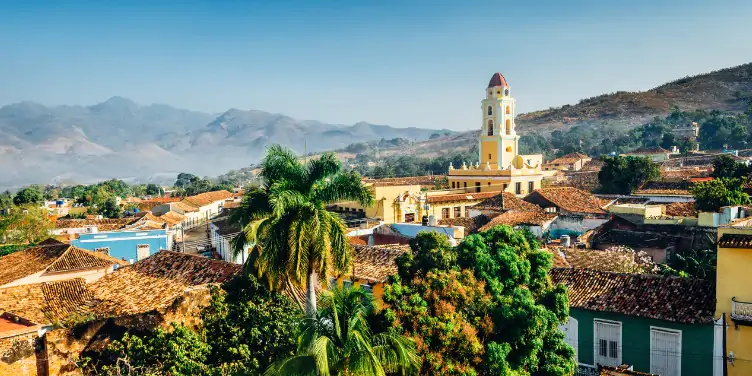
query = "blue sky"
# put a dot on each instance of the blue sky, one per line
(402, 63)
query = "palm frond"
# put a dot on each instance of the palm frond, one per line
(344, 187)
(298, 365)
(319, 169)
(281, 164)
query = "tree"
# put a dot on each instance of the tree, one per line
(434, 136)
(28, 195)
(339, 342)
(27, 225)
(6, 200)
(249, 327)
(154, 190)
(622, 175)
(111, 209)
(484, 307)
(295, 239)
(721, 131)
(175, 352)
(696, 263)
(245, 328)
(198, 186)
(717, 193)
(726, 167)
(184, 179)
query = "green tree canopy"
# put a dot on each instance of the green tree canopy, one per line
(483, 307)
(726, 167)
(28, 195)
(294, 238)
(717, 193)
(153, 190)
(27, 225)
(622, 175)
(6, 200)
(340, 342)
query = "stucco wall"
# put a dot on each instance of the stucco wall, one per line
(697, 341)
(17, 355)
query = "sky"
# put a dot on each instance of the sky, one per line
(401, 63)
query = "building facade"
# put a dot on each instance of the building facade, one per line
(500, 166)
(130, 246)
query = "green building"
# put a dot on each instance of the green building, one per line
(657, 324)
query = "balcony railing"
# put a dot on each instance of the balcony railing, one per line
(741, 311)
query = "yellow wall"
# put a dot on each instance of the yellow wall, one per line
(383, 206)
(735, 280)
(496, 185)
(489, 147)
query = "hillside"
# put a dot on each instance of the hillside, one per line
(119, 138)
(720, 90)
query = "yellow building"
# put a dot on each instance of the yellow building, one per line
(500, 167)
(734, 294)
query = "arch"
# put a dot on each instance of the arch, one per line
(506, 92)
(509, 110)
(509, 126)
(490, 127)
(509, 149)
(490, 110)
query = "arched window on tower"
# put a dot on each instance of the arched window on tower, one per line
(506, 92)
(509, 110)
(509, 126)
(490, 127)
(490, 110)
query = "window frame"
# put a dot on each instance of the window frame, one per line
(457, 212)
(444, 213)
(530, 186)
(619, 343)
(666, 330)
(518, 188)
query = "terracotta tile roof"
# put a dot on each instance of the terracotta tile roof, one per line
(52, 258)
(409, 180)
(651, 150)
(48, 302)
(497, 80)
(676, 299)
(460, 197)
(559, 259)
(671, 188)
(146, 205)
(231, 205)
(105, 224)
(681, 209)
(207, 198)
(615, 259)
(155, 283)
(636, 239)
(376, 263)
(622, 371)
(594, 165)
(515, 218)
(186, 206)
(685, 173)
(568, 199)
(471, 224)
(505, 201)
(735, 241)
(75, 258)
(172, 218)
(569, 158)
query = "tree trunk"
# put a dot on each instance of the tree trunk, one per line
(311, 283)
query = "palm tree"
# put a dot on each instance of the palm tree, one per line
(338, 342)
(294, 238)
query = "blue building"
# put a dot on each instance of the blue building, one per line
(127, 245)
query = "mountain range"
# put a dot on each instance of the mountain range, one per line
(121, 139)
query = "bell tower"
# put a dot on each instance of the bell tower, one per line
(498, 138)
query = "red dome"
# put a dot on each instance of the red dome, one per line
(498, 80)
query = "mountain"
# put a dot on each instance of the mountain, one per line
(119, 138)
(725, 90)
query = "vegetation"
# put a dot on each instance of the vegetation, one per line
(294, 238)
(622, 175)
(405, 165)
(339, 341)
(483, 307)
(245, 328)
(24, 225)
(28, 195)
(717, 193)
(696, 263)
(726, 167)
(191, 185)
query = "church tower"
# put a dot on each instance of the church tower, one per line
(498, 140)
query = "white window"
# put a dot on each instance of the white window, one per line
(607, 341)
(665, 351)
(142, 251)
(571, 335)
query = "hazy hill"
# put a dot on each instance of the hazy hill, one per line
(721, 90)
(119, 138)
